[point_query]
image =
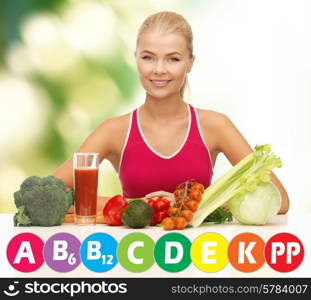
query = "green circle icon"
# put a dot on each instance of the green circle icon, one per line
(172, 252)
(135, 252)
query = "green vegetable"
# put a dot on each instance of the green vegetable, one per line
(137, 214)
(42, 202)
(257, 207)
(242, 179)
(218, 216)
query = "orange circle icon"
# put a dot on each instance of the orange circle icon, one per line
(246, 252)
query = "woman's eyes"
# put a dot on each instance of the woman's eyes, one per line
(174, 59)
(146, 57)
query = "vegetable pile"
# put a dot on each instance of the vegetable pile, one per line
(42, 202)
(245, 192)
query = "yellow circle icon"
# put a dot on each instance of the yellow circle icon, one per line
(209, 252)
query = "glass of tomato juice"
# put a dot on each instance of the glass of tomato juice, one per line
(85, 168)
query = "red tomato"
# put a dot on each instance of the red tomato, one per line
(161, 204)
(150, 202)
(158, 216)
(154, 220)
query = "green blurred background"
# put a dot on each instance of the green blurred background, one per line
(65, 66)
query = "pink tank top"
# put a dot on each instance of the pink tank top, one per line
(142, 170)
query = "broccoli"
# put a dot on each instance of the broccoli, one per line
(42, 201)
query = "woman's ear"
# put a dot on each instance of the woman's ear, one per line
(190, 63)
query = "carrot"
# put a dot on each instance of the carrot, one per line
(70, 218)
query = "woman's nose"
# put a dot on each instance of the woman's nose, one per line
(159, 67)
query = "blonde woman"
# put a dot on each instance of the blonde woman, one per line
(165, 141)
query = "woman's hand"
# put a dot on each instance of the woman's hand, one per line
(169, 196)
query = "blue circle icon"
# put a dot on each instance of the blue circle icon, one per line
(98, 252)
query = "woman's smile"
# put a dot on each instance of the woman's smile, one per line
(160, 83)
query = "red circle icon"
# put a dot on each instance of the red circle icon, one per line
(24, 252)
(284, 252)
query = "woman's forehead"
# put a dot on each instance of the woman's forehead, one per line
(155, 41)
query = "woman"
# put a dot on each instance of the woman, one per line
(165, 141)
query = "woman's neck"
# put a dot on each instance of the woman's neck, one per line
(164, 109)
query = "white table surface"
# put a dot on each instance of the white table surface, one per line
(295, 223)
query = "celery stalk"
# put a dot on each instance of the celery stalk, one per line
(244, 177)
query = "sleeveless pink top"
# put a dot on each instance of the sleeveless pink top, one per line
(142, 170)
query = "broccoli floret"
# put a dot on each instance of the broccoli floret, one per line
(42, 201)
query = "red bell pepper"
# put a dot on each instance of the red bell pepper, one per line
(113, 210)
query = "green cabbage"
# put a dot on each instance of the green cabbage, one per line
(239, 184)
(257, 207)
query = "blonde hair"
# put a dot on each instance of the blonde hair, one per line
(169, 22)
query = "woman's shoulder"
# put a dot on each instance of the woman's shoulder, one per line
(112, 131)
(115, 125)
(212, 119)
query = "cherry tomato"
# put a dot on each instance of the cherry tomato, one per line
(180, 203)
(172, 211)
(161, 204)
(168, 224)
(195, 195)
(192, 205)
(187, 214)
(179, 194)
(180, 223)
(198, 186)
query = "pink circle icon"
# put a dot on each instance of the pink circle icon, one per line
(24, 252)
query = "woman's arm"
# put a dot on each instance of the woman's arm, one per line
(99, 141)
(234, 146)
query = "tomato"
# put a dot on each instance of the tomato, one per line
(154, 220)
(179, 194)
(161, 204)
(198, 186)
(150, 202)
(168, 224)
(187, 214)
(195, 195)
(192, 205)
(180, 223)
(158, 216)
(180, 203)
(172, 211)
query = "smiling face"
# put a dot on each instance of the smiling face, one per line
(163, 61)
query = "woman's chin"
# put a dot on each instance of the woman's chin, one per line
(161, 94)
